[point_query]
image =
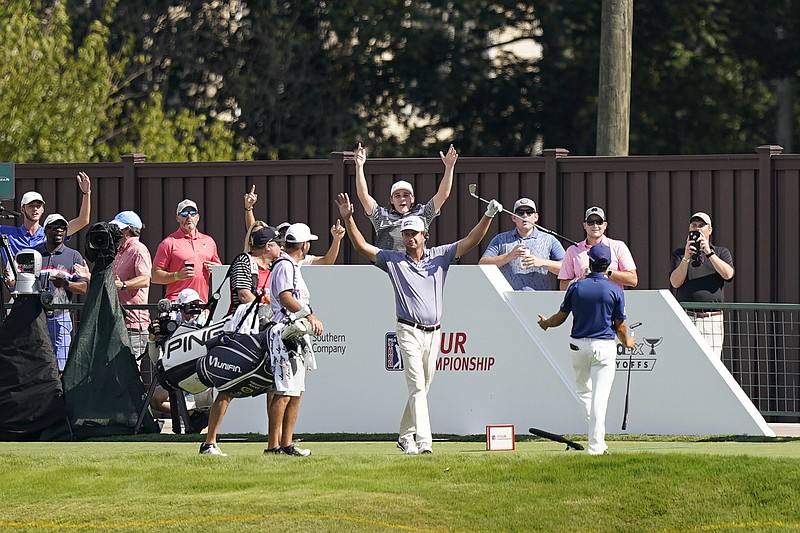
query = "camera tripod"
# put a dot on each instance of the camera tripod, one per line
(179, 413)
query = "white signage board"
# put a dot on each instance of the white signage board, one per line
(496, 365)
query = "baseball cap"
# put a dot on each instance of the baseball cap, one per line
(524, 202)
(402, 185)
(263, 235)
(186, 296)
(184, 204)
(31, 196)
(283, 226)
(413, 223)
(702, 216)
(127, 218)
(595, 211)
(600, 254)
(55, 217)
(299, 232)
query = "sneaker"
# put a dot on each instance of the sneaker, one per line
(292, 449)
(425, 448)
(211, 449)
(407, 446)
(274, 451)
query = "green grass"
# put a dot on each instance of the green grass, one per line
(678, 485)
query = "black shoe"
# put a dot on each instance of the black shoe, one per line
(212, 449)
(294, 450)
(274, 451)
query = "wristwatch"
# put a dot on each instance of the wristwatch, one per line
(124, 285)
(709, 254)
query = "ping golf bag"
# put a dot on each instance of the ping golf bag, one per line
(177, 364)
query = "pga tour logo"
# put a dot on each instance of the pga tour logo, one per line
(641, 358)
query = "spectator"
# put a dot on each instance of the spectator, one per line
(699, 273)
(525, 255)
(59, 278)
(387, 220)
(575, 265)
(181, 254)
(31, 234)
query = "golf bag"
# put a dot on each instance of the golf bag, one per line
(237, 364)
(177, 366)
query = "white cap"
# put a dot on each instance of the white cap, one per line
(31, 196)
(186, 296)
(401, 185)
(53, 218)
(413, 223)
(702, 216)
(184, 204)
(299, 232)
(524, 202)
(595, 211)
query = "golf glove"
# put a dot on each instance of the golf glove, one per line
(493, 208)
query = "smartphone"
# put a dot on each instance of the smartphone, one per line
(189, 265)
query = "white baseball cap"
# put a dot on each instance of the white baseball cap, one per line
(186, 296)
(184, 204)
(413, 223)
(55, 217)
(524, 202)
(299, 232)
(402, 185)
(702, 216)
(31, 196)
(595, 211)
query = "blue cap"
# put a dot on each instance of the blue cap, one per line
(600, 254)
(127, 218)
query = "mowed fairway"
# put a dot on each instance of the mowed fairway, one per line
(369, 486)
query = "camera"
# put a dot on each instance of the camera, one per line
(29, 263)
(166, 323)
(102, 242)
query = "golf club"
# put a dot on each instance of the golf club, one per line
(472, 191)
(556, 437)
(628, 387)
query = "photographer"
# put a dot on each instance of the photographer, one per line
(699, 273)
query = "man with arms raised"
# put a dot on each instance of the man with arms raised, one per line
(387, 220)
(418, 275)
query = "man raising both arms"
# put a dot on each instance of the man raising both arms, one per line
(387, 220)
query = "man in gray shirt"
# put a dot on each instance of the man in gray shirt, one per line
(417, 274)
(387, 220)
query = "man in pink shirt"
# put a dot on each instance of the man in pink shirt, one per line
(132, 271)
(575, 264)
(184, 259)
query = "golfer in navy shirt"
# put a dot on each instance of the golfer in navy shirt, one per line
(598, 309)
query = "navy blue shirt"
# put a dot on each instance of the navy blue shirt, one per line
(595, 302)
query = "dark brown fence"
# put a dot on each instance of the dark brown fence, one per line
(753, 200)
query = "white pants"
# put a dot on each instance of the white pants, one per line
(419, 350)
(594, 366)
(712, 328)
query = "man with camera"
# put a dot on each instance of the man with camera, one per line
(699, 273)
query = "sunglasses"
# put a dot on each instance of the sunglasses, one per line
(595, 222)
(188, 213)
(524, 212)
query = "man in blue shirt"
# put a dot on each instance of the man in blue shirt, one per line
(418, 275)
(598, 309)
(525, 255)
(58, 277)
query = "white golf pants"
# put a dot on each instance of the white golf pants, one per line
(594, 365)
(419, 350)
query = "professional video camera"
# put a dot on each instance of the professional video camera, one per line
(102, 242)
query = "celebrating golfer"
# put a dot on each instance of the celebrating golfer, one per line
(418, 276)
(598, 308)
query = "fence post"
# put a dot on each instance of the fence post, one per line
(765, 215)
(130, 185)
(553, 194)
(340, 183)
